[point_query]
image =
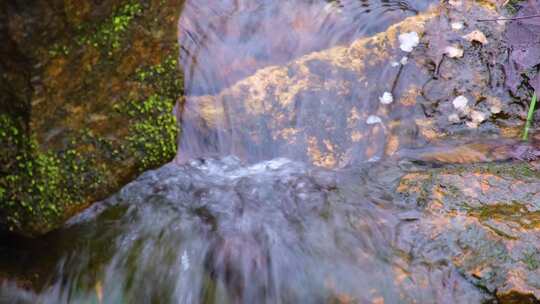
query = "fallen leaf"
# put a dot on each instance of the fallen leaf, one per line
(439, 36)
(453, 52)
(477, 36)
(523, 38)
(478, 117)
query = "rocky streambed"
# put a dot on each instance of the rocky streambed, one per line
(386, 169)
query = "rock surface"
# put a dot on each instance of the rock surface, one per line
(482, 219)
(88, 90)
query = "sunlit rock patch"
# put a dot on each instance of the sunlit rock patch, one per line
(484, 220)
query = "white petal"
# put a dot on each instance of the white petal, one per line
(453, 52)
(478, 117)
(460, 103)
(372, 119)
(387, 98)
(457, 26)
(404, 60)
(408, 41)
(495, 109)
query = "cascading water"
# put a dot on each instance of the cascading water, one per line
(217, 231)
(227, 41)
(232, 222)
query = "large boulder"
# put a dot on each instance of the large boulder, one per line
(88, 90)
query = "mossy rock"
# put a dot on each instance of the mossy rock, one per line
(97, 107)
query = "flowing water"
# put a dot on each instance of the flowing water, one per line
(228, 41)
(264, 225)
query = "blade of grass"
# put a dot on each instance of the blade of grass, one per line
(532, 107)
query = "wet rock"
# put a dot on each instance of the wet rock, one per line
(88, 105)
(482, 219)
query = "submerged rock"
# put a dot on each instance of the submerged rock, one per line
(326, 107)
(86, 106)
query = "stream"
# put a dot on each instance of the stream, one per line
(243, 215)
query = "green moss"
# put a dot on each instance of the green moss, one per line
(452, 190)
(164, 77)
(520, 170)
(106, 36)
(109, 34)
(153, 135)
(38, 186)
(508, 212)
(456, 197)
